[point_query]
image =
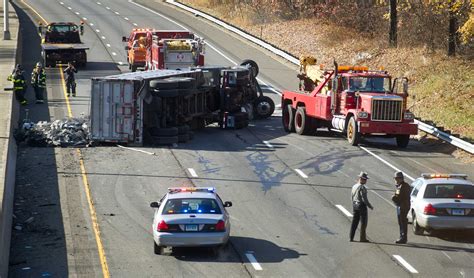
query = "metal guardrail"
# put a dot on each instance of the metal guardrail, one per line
(421, 125)
(446, 137)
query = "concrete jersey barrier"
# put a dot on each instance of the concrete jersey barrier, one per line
(8, 150)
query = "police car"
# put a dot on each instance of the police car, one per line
(190, 216)
(442, 202)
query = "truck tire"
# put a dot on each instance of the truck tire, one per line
(183, 82)
(163, 84)
(353, 135)
(168, 131)
(183, 138)
(134, 68)
(302, 122)
(165, 140)
(253, 65)
(158, 250)
(166, 93)
(402, 140)
(287, 118)
(183, 129)
(264, 107)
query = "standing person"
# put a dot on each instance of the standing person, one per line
(70, 79)
(401, 198)
(38, 81)
(19, 84)
(359, 205)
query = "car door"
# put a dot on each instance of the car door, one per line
(416, 185)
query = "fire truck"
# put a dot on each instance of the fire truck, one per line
(352, 100)
(163, 49)
(174, 50)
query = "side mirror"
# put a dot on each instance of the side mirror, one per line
(227, 204)
(155, 204)
(40, 28)
(124, 39)
(81, 28)
(127, 48)
(405, 86)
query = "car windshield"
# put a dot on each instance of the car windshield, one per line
(454, 191)
(368, 84)
(63, 28)
(191, 205)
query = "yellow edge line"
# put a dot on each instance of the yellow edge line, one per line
(42, 18)
(95, 224)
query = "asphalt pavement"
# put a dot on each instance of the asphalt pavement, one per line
(289, 191)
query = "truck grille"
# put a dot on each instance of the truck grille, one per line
(387, 110)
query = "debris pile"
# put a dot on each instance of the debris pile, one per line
(71, 132)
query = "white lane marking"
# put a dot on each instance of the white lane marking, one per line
(108, 8)
(98, 3)
(97, 30)
(84, 18)
(405, 264)
(108, 45)
(208, 44)
(386, 162)
(91, 24)
(69, 8)
(268, 144)
(137, 150)
(446, 254)
(134, 24)
(62, 3)
(103, 37)
(126, 18)
(120, 63)
(383, 198)
(253, 260)
(344, 210)
(192, 172)
(117, 13)
(303, 175)
(113, 53)
(77, 13)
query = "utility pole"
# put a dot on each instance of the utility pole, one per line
(6, 27)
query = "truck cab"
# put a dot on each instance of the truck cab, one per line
(138, 42)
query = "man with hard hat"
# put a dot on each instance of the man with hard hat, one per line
(401, 198)
(360, 203)
(38, 82)
(19, 85)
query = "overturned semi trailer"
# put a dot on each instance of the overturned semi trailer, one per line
(164, 106)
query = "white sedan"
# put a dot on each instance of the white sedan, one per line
(442, 202)
(190, 216)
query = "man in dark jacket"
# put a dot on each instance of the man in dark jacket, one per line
(70, 79)
(360, 203)
(401, 198)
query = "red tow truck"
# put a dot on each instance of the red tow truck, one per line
(163, 49)
(353, 100)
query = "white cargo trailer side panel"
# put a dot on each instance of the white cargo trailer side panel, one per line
(113, 112)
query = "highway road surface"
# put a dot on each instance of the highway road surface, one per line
(291, 194)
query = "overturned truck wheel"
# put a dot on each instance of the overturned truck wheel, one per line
(264, 107)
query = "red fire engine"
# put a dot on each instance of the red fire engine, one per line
(352, 100)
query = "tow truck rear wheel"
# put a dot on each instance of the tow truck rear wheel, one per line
(264, 107)
(287, 118)
(403, 140)
(302, 122)
(353, 135)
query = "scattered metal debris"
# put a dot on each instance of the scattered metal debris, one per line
(70, 132)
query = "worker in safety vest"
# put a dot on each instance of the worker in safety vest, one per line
(38, 81)
(19, 84)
